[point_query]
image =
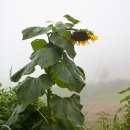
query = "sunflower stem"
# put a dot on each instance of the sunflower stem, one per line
(49, 92)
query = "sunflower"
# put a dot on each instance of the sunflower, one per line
(82, 37)
(93, 38)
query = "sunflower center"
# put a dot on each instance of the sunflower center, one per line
(80, 36)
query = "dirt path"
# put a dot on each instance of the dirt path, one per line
(92, 108)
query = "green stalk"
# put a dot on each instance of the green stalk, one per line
(49, 92)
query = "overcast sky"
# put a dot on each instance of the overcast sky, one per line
(109, 19)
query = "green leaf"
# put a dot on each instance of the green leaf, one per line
(60, 125)
(10, 72)
(27, 69)
(65, 34)
(47, 56)
(54, 29)
(59, 25)
(71, 19)
(38, 44)
(118, 112)
(31, 88)
(76, 99)
(67, 108)
(5, 127)
(66, 75)
(14, 117)
(125, 99)
(61, 28)
(51, 127)
(69, 25)
(63, 43)
(124, 91)
(82, 73)
(34, 31)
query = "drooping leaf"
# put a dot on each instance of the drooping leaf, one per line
(69, 25)
(71, 19)
(27, 69)
(125, 99)
(67, 108)
(76, 100)
(119, 111)
(14, 117)
(124, 91)
(31, 88)
(47, 56)
(66, 75)
(10, 72)
(65, 34)
(38, 43)
(34, 31)
(61, 42)
(60, 26)
(5, 127)
(81, 72)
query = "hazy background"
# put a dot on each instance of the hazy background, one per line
(109, 19)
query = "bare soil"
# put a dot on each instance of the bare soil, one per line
(92, 108)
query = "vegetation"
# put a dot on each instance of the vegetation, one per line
(8, 102)
(55, 56)
(32, 103)
(36, 114)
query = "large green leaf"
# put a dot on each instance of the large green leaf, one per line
(69, 25)
(81, 72)
(60, 125)
(34, 31)
(62, 26)
(14, 117)
(27, 69)
(38, 44)
(46, 56)
(65, 44)
(71, 19)
(67, 75)
(67, 108)
(31, 88)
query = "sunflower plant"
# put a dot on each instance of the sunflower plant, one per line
(56, 57)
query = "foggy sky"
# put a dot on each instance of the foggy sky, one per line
(109, 19)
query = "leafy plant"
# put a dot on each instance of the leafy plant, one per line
(8, 102)
(125, 110)
(103, 122)
(56, 57)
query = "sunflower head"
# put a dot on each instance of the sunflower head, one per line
(93, 38)
(82, 37)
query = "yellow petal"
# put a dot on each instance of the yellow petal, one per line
(93, 37)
